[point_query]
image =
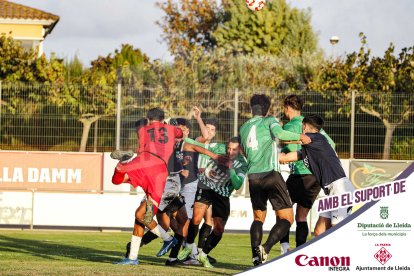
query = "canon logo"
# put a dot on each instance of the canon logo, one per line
(303, 260)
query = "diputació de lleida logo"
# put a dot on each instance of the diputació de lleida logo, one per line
(384, 212)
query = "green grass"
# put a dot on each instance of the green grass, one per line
(25, 252)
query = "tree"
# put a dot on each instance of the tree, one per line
(96, 97)
(275, 29)
(384, 84)
(188, 25)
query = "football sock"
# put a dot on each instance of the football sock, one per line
(276, 233)
(302, 231)
(194, 251)
(285, 239)
(148, 237)
(176, 248)
(205, 231)
(256, 234)
(212, 242)
(192, 232)
(285, 246)
(160, 232)
(135, 242)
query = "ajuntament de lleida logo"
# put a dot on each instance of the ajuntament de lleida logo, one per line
(384, 212)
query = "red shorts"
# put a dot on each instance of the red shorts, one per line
(146, 171)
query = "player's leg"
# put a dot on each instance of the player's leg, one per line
(302, 229)
(258, 198)
(180, 217)
(220, 213)
(307, 189)
(188, 191)
(201, 205)
(120, 173)
(291, 184)
(138, 232)
(149, 236)
(205, 229)
(323, 224)
(156, 178)
(281, 203)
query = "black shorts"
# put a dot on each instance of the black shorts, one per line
(271, 187)
(173, 206)
(221, 204)
(303, 189)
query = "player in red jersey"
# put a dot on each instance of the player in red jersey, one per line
(149, 171)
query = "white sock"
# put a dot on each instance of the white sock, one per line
(172, 259)
(161, 233)
(135, 243)
(284, 247)
(202, 254)
(194, 250)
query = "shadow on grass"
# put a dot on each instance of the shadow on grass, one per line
(52, 250)
(193, 269)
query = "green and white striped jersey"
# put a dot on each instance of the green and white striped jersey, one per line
(213, 147)
(219, 178)
(261, 150)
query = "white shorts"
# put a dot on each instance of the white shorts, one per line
(188, 191)
(338, 187)
(171, 190)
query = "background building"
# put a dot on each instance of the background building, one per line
(25, 24)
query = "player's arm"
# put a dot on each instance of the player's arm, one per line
(282, 134)
(193, 142)
(330, 141)
(237, 176)
(293, 156)
(289, 146)
(192, 147)
(204, 131)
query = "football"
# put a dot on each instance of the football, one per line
(255, 5)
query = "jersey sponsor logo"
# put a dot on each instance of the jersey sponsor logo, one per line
(187, 160)
(215, 174)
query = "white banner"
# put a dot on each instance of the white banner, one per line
(377, 239)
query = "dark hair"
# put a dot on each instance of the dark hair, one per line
(294, 101)
(183, 122)
(260, 104)
(141, 123)
(211, 121)
(235, 139)
(156, 114)
(314, 120)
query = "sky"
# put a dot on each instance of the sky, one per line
(90, 28)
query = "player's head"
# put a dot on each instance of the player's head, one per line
(233, 147)
(156, 114)
(141, 123)
(211, 125)
(292, 104)
(260, 104)
(185, 126)
(312, 123)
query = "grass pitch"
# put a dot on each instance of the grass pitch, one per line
(25, 252)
